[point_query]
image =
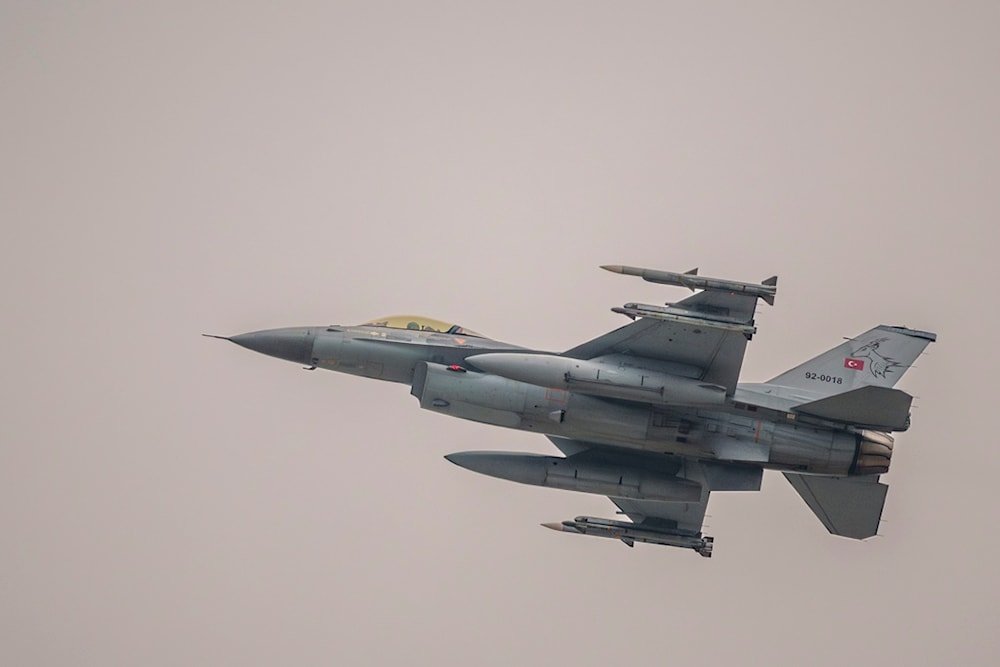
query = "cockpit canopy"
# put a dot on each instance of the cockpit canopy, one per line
(418, 323)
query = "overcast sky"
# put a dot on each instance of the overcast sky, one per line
(173, 168)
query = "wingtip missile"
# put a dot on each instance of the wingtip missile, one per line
(635, 271)
(557, 526)
(690, 279)
(630, 533)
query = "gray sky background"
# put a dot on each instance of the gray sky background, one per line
(168, 169)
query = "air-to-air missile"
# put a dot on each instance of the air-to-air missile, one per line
(766, 290)
(673, 313)
(574, 474)
(597, 378)
(630, 533)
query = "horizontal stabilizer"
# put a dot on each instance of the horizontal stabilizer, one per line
(847, 506)
(872, 407)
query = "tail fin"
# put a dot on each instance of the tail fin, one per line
(877, 358)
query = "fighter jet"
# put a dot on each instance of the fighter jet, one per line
(652, 414)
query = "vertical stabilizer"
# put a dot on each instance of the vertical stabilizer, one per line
(877, 358)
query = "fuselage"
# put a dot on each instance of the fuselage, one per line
(753, 426)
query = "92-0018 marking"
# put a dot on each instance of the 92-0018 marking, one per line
(825, 378)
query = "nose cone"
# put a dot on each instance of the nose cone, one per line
(294, 343)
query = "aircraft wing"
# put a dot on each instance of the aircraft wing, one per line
(705, 334)
(685, 518)
(670, 523)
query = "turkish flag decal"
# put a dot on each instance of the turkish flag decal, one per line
(854, 364)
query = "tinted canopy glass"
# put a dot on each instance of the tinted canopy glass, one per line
(419, 323)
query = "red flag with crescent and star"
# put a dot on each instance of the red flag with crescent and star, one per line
(854, 364)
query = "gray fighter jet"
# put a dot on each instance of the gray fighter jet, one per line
(651, 414)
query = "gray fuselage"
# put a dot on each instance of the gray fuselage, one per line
(751, 427)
